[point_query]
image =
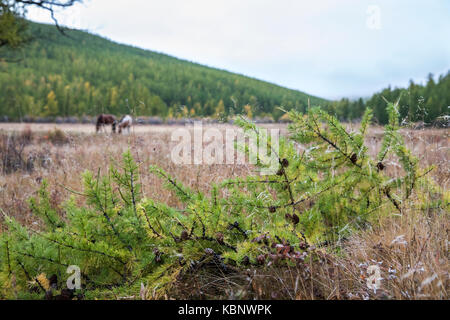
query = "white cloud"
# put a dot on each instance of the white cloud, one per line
(320, 47)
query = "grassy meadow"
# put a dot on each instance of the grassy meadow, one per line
(411, 248)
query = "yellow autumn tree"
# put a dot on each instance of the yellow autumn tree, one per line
(170, 113)
(51, 108)
(114, 97)
(220, 109)
(184, 112)
(248, 111)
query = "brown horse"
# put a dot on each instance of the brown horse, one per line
(106, 119)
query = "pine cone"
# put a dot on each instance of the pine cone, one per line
(219, 237)
(284, 163)
(261, 259)
(184, 235)
(54, 281)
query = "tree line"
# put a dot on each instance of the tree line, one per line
(417, 103)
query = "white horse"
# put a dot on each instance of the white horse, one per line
(125, 123)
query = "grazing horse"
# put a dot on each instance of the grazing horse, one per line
(125, 123)
(105, 119)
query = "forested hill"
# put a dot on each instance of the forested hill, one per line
(84, 74)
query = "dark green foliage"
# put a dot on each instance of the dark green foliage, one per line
(418, 103)
(12, 27)
(120, 239)
(84, 74)
(422, 103)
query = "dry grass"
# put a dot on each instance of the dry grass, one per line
(64, 163)
(411, 250)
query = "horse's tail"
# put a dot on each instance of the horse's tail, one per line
(114, 126)
(97, 126)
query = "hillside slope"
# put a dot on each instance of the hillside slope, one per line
(84, 74)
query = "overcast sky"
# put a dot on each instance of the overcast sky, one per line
(328, 48)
